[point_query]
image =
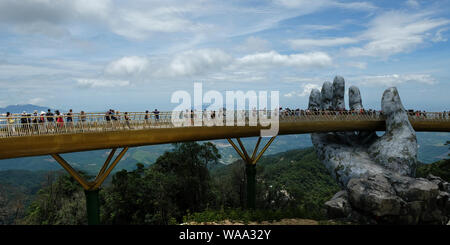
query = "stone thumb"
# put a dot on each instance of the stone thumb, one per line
(397, 121)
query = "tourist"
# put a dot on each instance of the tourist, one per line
(82, 116)
(146, 117)
(49, 116)
(156, 112)
(59, 119)
(24, 120)
(42, 117)
(10, 121)
(113, 113)
(34, 120)
(127, 119)
(69, 116)
(108, 115)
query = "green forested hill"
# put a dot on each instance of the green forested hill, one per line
(440, 168)
(17, 190)
(293, 179)
(290, 184)
(304, 177)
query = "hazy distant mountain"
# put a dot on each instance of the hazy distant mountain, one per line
(29, 108)
(431, 149)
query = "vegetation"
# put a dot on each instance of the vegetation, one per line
(292, 184)
(17, 188)
(177, 183)
(440, 168)
(60, 201)
(188, 184)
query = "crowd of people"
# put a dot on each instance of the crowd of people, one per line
(29, 120)
(369, 112)
(59, 119)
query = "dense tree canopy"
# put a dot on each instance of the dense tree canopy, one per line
(188, 184)
(178, 182)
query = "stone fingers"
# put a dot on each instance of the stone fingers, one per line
(314, 100)
(354, 98)
(327, 96)
(338, 101)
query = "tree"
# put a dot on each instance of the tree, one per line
(178, 182)
(142, 196)
(60, 202)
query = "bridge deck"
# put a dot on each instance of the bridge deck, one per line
(21, 140)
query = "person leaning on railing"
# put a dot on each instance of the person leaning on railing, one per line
(146, 117)
(82, 116)
(49, 115)
(108, 116)
(127, 119)
(24, 121)
(156, 112)
(10, 121)
(69, 118)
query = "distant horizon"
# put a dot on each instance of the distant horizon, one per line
(75, 110)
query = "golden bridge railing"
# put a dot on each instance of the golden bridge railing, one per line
(17, 125)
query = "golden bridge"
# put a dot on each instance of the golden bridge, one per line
(25, 135)
(92, 131)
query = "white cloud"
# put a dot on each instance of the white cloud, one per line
(319, 27)
(326, 42)
(395, 79)
(141, 24)
(254, 44)
(272, 58)
(239, 76)
(412, 3)
(187, 63)
(438, 36)
(302, 3)
(196, 62)
(367, 6)
(128, 65)
(101, 83)
(36, 101)
(356, 64)
(136, 21)
(305, 91)
(43, 28)
(99, 8)
(211, 64)
(396, 32)
(321, 4)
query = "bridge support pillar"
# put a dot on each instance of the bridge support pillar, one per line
(250, 172)
(92, 206)
(91, 189)
(250, 167)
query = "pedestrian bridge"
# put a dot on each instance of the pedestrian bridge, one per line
(91, 131)
(22, 136)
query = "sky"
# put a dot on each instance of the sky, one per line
(133, 55)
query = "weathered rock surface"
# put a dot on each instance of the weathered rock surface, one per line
(339, 206)
(391, 199)
(396, 150)
(326, 96)
(375, 195)
(377, 173)
(338, 93)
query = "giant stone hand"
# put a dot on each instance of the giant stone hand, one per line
(354, 154)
